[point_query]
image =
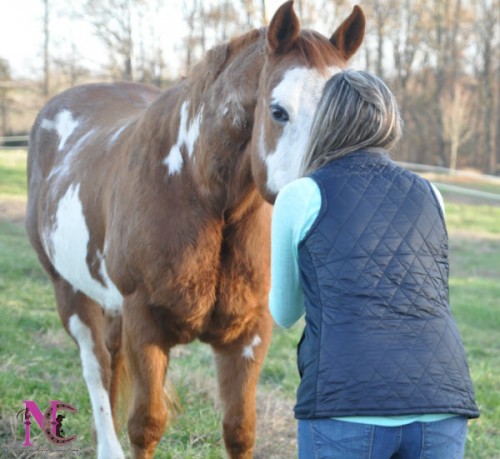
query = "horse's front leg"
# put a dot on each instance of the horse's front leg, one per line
(238, 366)
(147, 358)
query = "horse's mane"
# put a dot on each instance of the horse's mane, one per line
(315, 51)
(219, 57)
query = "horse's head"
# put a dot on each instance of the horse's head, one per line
(297, 65)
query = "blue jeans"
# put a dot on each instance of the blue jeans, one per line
(332, 439)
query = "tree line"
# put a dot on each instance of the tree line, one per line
(440, 57)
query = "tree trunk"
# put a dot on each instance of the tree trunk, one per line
(46, 59)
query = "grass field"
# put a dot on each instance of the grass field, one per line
(38, 361)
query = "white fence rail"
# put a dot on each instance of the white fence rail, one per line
(413, 166)
(445, 170)
(468, 192)
(486, 195)
(23, 139)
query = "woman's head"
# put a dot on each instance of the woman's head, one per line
(356, 111)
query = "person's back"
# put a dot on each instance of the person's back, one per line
(380, 350)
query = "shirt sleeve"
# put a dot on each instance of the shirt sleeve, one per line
(295, 210)
(439, 198)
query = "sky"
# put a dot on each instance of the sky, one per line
(21, 34)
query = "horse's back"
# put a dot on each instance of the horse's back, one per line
(76, 143)
(73, 113)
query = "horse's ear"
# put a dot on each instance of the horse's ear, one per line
(284, 29)
(349, 35)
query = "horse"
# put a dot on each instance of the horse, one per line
(150, 212)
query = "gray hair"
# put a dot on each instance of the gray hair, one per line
(356, 111)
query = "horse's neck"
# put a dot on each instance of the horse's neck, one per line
(199, 131)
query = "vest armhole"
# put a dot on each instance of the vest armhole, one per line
(438, 204)
(321, 212)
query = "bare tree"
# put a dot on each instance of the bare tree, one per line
(488, 31)
(193, 11)
(46, 57)
(250, 12)
(70, 65)
(382, 13)
(407, 41)
(5, 81)
(223, 20)
(150, 59)
(446, 19)
(112, 21)
(255, 13)
(457, 120)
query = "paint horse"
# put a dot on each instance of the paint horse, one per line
(148, 211)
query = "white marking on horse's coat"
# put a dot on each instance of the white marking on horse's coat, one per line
(64, 167)
(116, 135)
(108, 445)
(248, 350)
(174, 160)
(64, 124)
(298, 92)
(187, 136)
(67, 246)
(233, 106)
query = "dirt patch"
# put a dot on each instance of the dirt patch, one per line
(13, 209)
(276, 426)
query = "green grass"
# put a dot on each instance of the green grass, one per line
(39, 361)
(476, 219)
(12, 173)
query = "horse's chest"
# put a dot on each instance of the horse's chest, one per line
(188, 280)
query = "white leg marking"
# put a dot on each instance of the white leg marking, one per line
(64, 124)
(188, 135)
(298, 92)
(108, 445)
(67, 246)
(248, 350)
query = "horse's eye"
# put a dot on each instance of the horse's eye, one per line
(279, 114)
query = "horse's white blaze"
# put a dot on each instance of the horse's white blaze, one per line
(64, 124)
(67, 245)
(298, 92)
(107, 441)
(248, 350)
(187, 136)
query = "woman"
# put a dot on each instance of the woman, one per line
(359, 245)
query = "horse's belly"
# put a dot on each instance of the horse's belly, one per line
(66, 242)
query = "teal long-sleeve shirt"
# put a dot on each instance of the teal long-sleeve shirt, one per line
(295, 210)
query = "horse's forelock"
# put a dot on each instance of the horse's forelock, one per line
(317, 51)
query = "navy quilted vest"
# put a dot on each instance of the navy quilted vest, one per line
(379, 337)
